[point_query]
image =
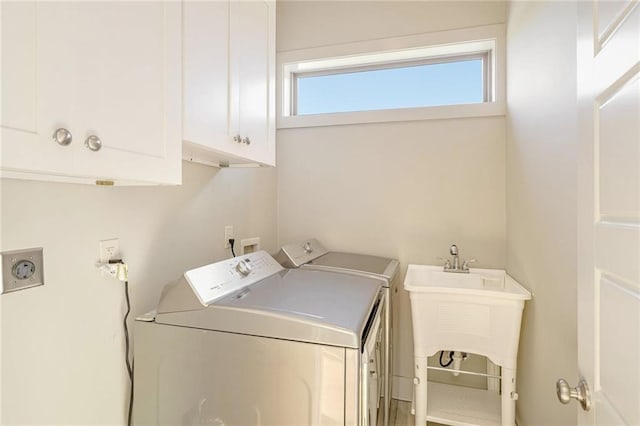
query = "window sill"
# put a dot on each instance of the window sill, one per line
(445, 112)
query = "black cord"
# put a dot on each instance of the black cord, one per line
(126, 355)
(450, 359)
(231, 242)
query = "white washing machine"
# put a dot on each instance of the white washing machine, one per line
(246, 342)
(310, 254)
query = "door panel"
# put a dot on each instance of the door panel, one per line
(619, 154)
(609, 16)
(619, 347)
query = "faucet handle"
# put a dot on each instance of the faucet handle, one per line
(465, 264)
(447, 262)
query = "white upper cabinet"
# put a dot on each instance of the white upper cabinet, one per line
(229, 82)
(109, 69)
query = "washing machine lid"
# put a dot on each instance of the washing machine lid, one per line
(310, 253)
(302, 305)
(356, 263)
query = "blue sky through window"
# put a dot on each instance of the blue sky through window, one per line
(449, 83)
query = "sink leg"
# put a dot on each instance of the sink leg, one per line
(420, 383)
(509, 396)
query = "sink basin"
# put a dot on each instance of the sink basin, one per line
(479, 282)
(479, 312)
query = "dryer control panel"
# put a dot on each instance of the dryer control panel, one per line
(297, 254)
(217, 280)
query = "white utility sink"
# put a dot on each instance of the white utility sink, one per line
(478, 282)
(478, 312)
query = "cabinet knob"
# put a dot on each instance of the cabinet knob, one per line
(93, 143)
(62, 136)
(246, 140)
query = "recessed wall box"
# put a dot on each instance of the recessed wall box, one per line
(249, 245)
(21, 269)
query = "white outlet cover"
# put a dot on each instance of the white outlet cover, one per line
(228, 234)
(109, 249)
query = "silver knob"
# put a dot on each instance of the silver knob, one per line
(465, 264)
(447, 262)
(453, 250)
(246, 141)
(62, 136)
(580, 393)
(307, 247)
(244, 268)
(237, 138)
(93, 143)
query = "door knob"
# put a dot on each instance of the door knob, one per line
(580, 393)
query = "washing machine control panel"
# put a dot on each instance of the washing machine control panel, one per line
(217, 280)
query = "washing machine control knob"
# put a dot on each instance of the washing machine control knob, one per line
(244, 268)
(307, 247)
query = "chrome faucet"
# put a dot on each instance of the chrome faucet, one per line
(453, 265)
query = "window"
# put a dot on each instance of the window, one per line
(456, 73)
(421, 83)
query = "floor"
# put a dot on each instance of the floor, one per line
(400, 414)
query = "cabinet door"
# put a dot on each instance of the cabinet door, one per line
(206, 73)
(25, 145)
(252, 68)
(110, 69)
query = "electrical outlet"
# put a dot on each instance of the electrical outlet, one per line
(21, 269)
(109, 249)
(228, 234)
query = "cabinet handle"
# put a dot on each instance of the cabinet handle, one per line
(246, 140)
(62, 136)
(93, 143)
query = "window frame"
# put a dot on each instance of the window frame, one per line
(445, 46)
(484, 56)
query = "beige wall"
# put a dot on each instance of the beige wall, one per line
(405, 190)
(62, 344)
(541, 200)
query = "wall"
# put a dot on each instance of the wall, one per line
(406, 190)
(62, 344)
(541, 200)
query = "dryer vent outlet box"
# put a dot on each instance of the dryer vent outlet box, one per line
(21, 269)
(249, 245)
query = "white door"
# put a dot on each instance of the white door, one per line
(609, 210)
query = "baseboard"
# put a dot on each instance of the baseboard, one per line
(402, 388)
